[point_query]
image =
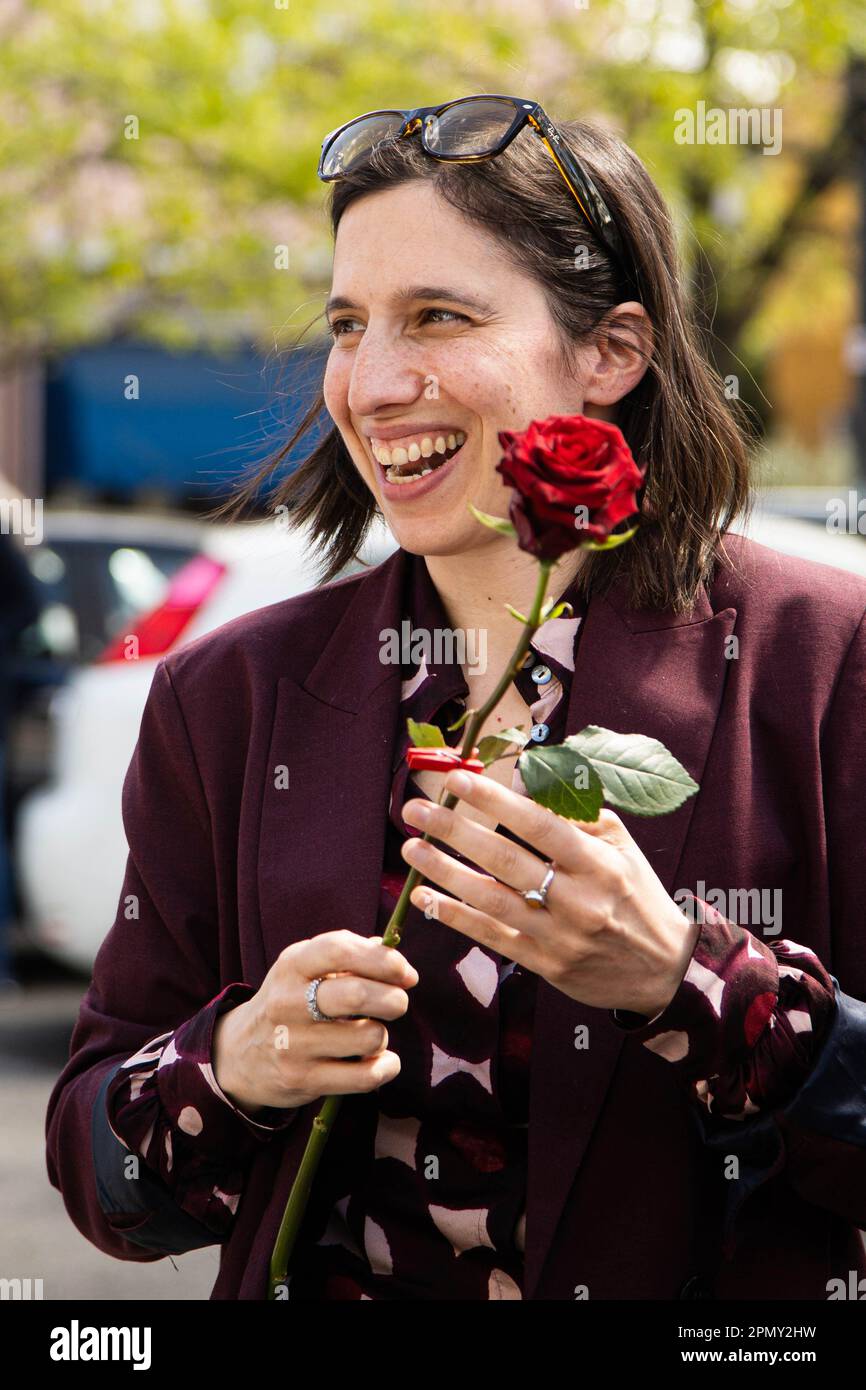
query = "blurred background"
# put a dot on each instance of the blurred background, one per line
(164, 260)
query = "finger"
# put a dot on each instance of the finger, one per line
(553, 836)
(349, 1078)
(351, 996)
(608, 827)
(350, 1037)
(346, 950)
(489, 896)
(478, 926)
(510, 863)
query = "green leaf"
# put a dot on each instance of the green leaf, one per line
(562, 780)
(425, 735)
(496, 523)
(612, 541)
(494, 746)
(638, 773)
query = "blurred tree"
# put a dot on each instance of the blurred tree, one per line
(157, 161)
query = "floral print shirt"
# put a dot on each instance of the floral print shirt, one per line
(421, 1191)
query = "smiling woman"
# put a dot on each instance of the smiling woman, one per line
(521, 311)
(586, 1092)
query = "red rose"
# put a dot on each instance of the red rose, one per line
(574, 479)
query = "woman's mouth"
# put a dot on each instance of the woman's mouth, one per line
(407, 460)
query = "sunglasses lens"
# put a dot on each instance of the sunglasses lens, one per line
(357, 142)
(469, 127)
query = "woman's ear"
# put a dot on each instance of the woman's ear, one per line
(624, 345)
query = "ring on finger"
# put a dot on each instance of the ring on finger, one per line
(537, 897)
(313, 1009)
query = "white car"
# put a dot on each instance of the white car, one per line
(71, 848)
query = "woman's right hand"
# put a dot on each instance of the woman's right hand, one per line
(270, 1051)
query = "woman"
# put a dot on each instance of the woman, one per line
(608, 1098)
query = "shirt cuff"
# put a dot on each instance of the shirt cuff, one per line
(175, 1071)
(188, 1086)
(747, 1022)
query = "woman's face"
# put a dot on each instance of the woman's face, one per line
(439, 343)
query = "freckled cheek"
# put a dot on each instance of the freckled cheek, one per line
(478, 388)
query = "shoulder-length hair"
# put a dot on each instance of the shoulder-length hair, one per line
(692, 441)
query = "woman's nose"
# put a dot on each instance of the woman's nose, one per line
(384, 372)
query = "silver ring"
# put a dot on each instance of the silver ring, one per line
(313, 1003)
(537, 897)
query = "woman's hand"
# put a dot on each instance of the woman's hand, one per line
(270, 1051)
(609, 935)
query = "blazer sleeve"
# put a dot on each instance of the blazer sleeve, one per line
(752, 1023)
(147, 1152)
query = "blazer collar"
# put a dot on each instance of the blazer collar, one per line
(349, 670)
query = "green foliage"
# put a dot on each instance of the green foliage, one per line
(630, 771)
(637, 773)
(425, 735)
(173, 235)
(495, 746)
(562, 780)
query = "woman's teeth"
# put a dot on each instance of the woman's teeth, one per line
(398, 462)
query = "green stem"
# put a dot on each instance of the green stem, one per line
(324, 1121)
(474, 725)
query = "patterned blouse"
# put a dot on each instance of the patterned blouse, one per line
(421, 1190)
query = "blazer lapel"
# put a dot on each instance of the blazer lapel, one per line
(655, 673)
(322, 836)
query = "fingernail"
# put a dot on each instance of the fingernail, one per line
(426, 903)
(459, 782)
(414, 848)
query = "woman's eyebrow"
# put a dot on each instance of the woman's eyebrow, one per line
(412, 292)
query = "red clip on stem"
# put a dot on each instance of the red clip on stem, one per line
(441, 760)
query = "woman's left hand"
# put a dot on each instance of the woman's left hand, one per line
(609, 935)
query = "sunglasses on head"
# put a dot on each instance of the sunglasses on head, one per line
(463, 132)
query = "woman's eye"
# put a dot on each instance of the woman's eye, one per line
(338, 328)
(341, 328)
(449, 316)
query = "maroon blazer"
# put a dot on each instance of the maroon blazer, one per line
(625, 1190)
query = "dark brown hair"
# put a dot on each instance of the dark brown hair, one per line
(692, 441)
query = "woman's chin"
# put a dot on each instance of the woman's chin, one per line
(436, 535)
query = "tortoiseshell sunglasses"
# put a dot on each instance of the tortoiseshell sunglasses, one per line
(465, 131)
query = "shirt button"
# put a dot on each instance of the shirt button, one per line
(538, 733)
(542, 674)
